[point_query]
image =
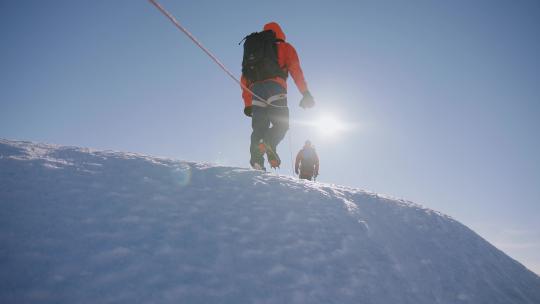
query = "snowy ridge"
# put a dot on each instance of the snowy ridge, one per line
(85, 226)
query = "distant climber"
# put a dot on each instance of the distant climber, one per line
(266, 64)
(307, 161)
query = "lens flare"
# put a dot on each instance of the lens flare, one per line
(181, 174)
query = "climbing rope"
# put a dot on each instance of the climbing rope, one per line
(291, 153)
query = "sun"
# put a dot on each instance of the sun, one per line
(328, 125)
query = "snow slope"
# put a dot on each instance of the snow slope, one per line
(83, 226)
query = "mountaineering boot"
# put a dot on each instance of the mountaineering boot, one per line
(257, 158)
(273, 157)
(258, 166)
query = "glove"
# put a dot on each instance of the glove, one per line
(248, 111)
(307, 101)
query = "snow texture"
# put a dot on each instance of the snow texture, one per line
(83, 226)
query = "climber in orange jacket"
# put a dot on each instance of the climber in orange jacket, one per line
(268, 60)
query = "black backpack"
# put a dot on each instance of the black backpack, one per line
(308, 157)
(260, 60)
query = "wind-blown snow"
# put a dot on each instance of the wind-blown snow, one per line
(83, 226)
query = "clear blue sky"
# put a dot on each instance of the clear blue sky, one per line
(443, 97)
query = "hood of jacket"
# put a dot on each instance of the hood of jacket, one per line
(276, 28)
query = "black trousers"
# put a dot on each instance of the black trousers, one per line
(270, 123)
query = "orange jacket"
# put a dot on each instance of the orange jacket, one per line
(288, 61)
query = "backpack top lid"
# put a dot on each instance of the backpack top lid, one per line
(258, 46)
(260, 60)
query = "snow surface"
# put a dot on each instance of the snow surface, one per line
(83, 226)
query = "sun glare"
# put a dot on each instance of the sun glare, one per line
(329, 125)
